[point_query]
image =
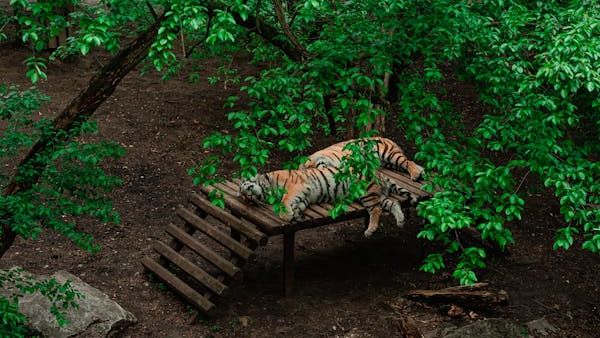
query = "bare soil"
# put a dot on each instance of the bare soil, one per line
(344, 281)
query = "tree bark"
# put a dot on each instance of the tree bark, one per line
(99, 88)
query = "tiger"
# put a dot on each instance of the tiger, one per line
(390, 155)
(304, 187)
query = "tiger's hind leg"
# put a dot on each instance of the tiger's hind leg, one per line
(295, 203)
(374, 217)
(372, 202)
(393, 206)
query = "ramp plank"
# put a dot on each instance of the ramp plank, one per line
(216, 234)
(181, 287)
(207, 253)
(193, 270)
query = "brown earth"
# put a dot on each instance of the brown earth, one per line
(344, 281)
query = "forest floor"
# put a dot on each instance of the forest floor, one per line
(344, 281)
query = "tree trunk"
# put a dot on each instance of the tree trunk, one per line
(99, 88)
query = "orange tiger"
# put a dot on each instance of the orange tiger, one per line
(390, 154)
(304, 187)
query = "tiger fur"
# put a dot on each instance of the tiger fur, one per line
(390, 155)
(318, 185)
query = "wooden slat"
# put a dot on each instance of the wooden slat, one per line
(312, 214)
(193, 270)
(320, 209)
(205, 252)
(309, 213)
(264, 209)
(245, 228)
(178, 285)
(350, 215)
(355, 207)
(406, 182)
(259, 215)
(216, 234)
(351, 208)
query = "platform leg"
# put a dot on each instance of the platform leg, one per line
(288, 262)
(237, 236)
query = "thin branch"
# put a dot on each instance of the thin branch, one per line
(458, 240)
(152, 10)
(208, 25)
(182, 42)
(294, 16)
(286, 28)
(256, 16)
(521, 183)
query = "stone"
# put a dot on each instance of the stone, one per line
(356, 333)
(489, 328)
(96, 316)
(542, 328)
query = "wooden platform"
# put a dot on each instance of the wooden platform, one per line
(237, 230)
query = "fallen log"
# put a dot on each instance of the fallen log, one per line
(472, 297)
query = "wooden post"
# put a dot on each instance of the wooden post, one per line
(236, 235)
(288, 262)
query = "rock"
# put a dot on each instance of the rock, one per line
(356, 333)
(96, 316)
(489, 328)
(542, 328)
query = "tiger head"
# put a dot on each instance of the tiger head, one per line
(251, 190)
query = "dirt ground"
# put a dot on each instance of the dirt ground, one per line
(344, 281)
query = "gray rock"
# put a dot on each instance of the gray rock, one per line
(96, 316)
(489, 328)
(542, 328)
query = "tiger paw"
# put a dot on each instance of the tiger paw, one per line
(286, 217)
(368, 233)
(400, 224)
(416, 172)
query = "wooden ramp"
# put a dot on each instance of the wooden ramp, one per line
(227, 233)
(218, 242)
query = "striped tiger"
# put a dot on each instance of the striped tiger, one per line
(318, 185)
(390, 155)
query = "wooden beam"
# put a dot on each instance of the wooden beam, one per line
(205, 252)
(267, 221)
(244, 227)
(193, 270)
(179, 286)
(288, 262)
(216, 234)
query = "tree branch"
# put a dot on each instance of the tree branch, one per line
(99, 88)
(286, 28)
(208, 25)
(263, 29)
(152, 11)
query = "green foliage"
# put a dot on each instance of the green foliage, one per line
(71, 185)
(71, 182)
(61, 296)
(36, 23)
(535, 66)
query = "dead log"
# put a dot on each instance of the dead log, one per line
(471, 297)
